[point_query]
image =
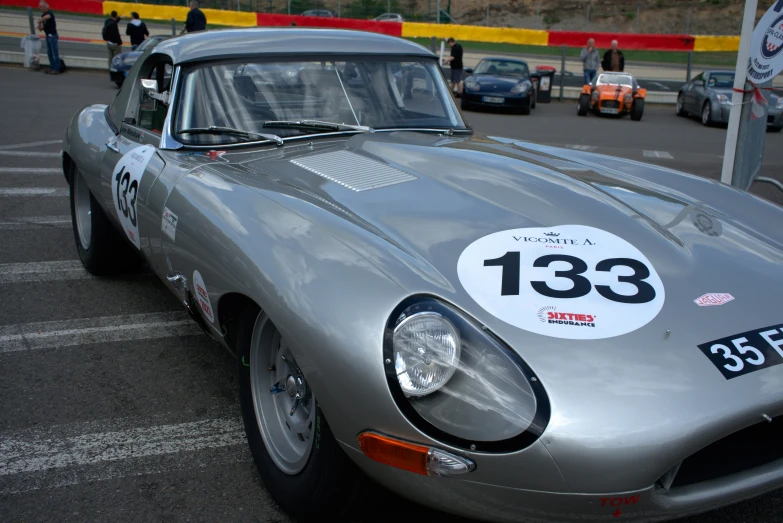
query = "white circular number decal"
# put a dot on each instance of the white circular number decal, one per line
(570, 281)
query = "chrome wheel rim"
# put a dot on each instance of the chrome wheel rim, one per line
(283, 403)
(82, 210)
(705, 114)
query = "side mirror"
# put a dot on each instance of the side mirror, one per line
(150, 95)
(469, 70)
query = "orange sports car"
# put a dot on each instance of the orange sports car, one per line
(613, 93)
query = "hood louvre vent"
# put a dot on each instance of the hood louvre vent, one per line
(353, 171)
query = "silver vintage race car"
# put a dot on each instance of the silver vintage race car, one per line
(493, 328)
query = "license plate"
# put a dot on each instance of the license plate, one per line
(746, 352)
(609, 110)
(492, 100)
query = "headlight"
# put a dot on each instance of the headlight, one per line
(426, 352)
(723, 99)
(471, 84)
(521, 87)
(459, 384)
(628, 98)
(779, 103)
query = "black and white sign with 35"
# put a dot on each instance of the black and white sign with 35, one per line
(746, 352)
(125, 183)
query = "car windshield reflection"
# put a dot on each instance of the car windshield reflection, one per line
(378, 94)
(616, 79)
(503, 68)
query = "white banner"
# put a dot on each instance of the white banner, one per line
(766, 48)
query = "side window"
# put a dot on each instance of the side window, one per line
(152, 112)
(146, 107)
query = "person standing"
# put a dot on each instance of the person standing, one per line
(137, 30)
(455, 61)
(589, 56)
(196, 20)
(613, 59)
(48, 25)
(111, 34)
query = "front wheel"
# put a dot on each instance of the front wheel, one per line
(680, 107)
(101, 249)
(706, 114)
(583, 105)
(298, 457)
(525, 109)
(774, 129)
(637, 109)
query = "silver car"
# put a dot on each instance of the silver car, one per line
(708, 95)
(493, 328)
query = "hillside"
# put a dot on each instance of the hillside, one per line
(656, 16)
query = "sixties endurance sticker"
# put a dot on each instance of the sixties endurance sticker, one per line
(746, 352)
(571, 281)
(125, 188)
(203, 297)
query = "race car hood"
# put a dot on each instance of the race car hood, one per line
(496, 84)
(440, 201)
(610, 92)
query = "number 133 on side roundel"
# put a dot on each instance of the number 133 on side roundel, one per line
(571, 281)
(125, 183)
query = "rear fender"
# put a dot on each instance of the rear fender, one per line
(587, 89)
(641, 93)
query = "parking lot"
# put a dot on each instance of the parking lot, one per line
(114, 406)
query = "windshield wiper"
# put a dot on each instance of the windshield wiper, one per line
(317, 125)
(214, 129)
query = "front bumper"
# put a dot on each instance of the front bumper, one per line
(510, 101)
(489, 502)
(775, 118)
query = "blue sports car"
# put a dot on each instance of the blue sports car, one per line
(502, 83)
(122, 63)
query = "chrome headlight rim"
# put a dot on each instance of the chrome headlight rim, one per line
(456, 316)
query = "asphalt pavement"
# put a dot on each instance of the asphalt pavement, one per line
(114, 406)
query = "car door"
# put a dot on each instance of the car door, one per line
(700, 93)
(688, 92)
(131, 163)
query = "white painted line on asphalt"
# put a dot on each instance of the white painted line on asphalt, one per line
(29, 144)
(25, 153)
(25, 453)
(661, 86)
(31, 222)
(582, 147)
(658, 154)
(43, 271)
(35, 191)
(108, 329)
(30, 170)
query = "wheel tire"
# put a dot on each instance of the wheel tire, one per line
(119, 83)
(706, 114)
(584, 105)
(101, 249)
(525, 109)
(466, 106)
(680, 107)
(328, 483)
(535, 99)
(774, 129)
(637, 109)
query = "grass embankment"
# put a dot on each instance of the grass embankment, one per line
(717, 59)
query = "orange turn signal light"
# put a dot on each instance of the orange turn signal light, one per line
(395, 453)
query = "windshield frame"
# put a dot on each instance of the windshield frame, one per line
(624, 75)
(173, 141)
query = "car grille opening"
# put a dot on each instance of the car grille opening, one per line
(611, 104)
(748, 448)
(770, 119)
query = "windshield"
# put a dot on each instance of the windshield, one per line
(615, 79)
(503, 68)
(380, 94)
(149, 42)
(724, 80)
